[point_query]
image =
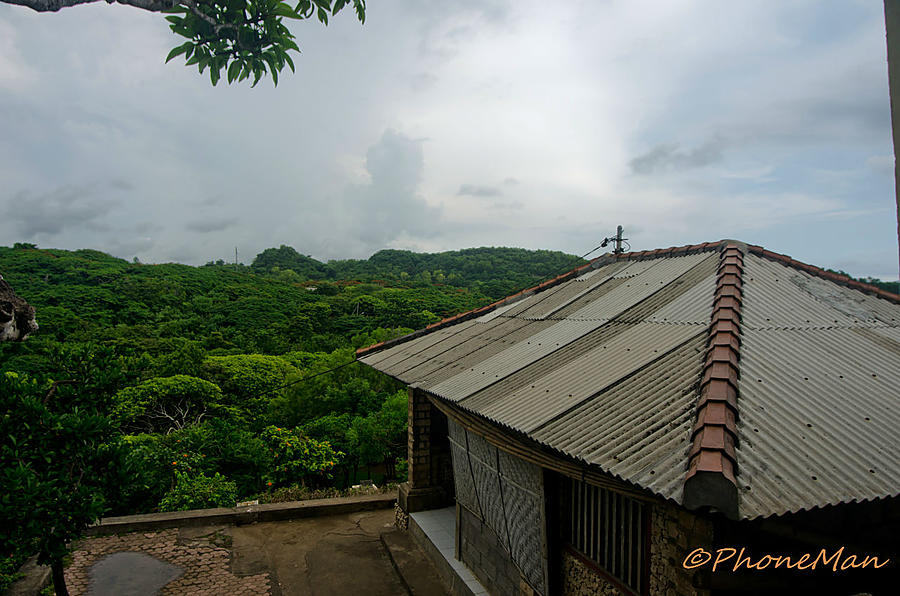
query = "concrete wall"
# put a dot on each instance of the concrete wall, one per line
(482, 552)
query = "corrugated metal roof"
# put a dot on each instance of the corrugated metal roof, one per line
(606, 367)
(578, 342)
(658, 408)
(659, 273)
(819, 404)
(588, 375)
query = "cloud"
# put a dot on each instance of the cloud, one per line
(476, 190)
(214, 224)
(375, 215)
(510, 181)
(671, 157)
(121, 184)
(53, 212)
(422, 81)
(508, 206)
(129, 247)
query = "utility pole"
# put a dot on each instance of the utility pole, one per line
(619, 240)
(235, 258)
(892, 31)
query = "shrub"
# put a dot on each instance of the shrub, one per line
(297, 457)
(199, 491)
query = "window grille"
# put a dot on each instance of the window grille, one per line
(609, 529)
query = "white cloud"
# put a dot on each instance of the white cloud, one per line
(764, 121)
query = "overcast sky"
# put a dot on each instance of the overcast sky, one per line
(443, 125)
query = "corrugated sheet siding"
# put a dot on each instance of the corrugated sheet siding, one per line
(507, 494)
(819, 404)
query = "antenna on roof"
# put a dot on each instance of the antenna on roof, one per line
(619, 240)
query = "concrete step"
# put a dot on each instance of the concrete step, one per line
(414, 567)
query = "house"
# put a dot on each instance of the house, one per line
(707, 419)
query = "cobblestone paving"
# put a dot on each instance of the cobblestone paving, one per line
(205, 561)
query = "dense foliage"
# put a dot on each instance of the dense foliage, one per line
(219, 383)
(494, 272)
(58, 453)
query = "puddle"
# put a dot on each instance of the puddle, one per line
(130, 574)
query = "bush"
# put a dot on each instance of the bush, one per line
(199, 491)
(225, 447)
(297, 457)
(9, 569)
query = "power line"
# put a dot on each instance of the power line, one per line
(300, 380)
(340, 366)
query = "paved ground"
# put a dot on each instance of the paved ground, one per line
(356, 553)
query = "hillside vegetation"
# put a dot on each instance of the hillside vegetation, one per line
(166, 387)
(225, 346)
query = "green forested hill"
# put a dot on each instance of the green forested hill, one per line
(494, 272)
(269, 307)
(234, 381)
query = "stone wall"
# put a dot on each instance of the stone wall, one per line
(578, 579)
(674, 532)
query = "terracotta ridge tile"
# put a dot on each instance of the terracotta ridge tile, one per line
(712, 460)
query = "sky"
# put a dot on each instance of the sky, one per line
(445, 125)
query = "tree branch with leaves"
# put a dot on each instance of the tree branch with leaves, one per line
(241, 38)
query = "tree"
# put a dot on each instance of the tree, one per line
(56, 455)
(164, 404)
(16, 315)
(241, 37)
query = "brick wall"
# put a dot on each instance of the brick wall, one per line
(428, 445)
(419, 446)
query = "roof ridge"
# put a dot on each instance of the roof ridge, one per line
(604, 259)
(819, 272)
(712, 460)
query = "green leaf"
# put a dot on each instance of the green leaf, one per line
(283, 9)
(323, 16)
(179, 50)
(234, 69)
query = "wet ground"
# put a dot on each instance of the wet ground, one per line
(355, 553)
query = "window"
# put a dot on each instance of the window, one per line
(609, 529)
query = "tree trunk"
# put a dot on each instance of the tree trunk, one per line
(59, 578)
